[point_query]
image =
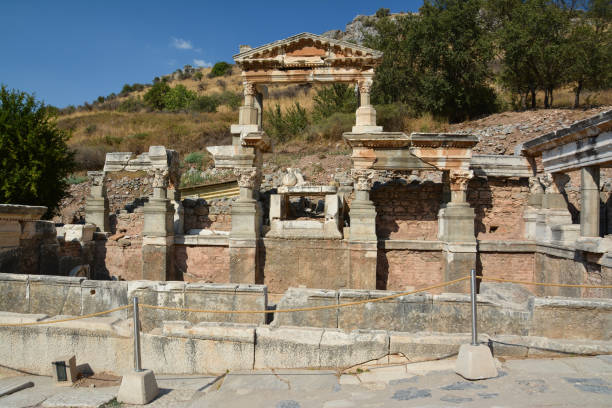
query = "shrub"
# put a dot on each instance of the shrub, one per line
(127, 88)
(204, 103)
(331, 127)
(131, 104)
(155, 96)
(285, 126)
(391, 117)
(219, 69)
(198, 76)
(76, 179)
(89, 157)
(90, 128)
(335, 98)
(178, 98)
(34, 156)
(231, 99)
(194, 158)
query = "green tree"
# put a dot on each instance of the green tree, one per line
(155, 96)
(34, 157)
(178, 98)
(332, 99)
(436, 61)
(219, 69)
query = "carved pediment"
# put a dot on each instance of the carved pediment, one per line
(308, 50)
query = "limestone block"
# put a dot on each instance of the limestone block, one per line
(55, 295)
(426, 346)
(213, 347)
(10, 232)
(250, 297)
(565, 233)
(407, 313)
(244, 266)
(340, 349)
(248, 115)
(10, 259)
(79, 232)
(38, 229)
(277, 209)
(97, 296)
(138, 387)
(570, 318)
(210, 296)
(452, 314)
(14, 293)
(302, 297)
(170, 294)
(363, 221)
(288, 347)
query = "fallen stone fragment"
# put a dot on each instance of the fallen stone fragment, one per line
(14, 386)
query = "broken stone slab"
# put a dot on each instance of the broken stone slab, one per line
(426, 346)
(12, 318)
(79, 232)
(81, 397)
(307, 190)
(510, 294)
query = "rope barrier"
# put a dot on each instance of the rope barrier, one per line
(562, 285)
(68, 319)
(302, 309)
(311, 308)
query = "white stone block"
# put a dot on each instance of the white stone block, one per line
(138, 387)
(475, 362)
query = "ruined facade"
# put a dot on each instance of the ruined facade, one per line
(422, 208)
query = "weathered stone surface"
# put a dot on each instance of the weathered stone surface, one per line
(55, 295)
(288, 347)
(340, 349)
(423, 347)
(302, 297)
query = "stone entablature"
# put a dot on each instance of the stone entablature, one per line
(308, 58)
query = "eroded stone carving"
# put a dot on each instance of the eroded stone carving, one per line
(365, 87)
(160, 178)
(553, 183)
(250, 89)
(363, 178)
(293, 177)
(459, 179)
(247, 176)
(96, 177)
(535, 187)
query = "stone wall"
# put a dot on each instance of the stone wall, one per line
(505, 265)
(577, 270)
(202, 263)
(56, 295)
(312, 263)
(403, 269)
(213, 214)
(498, 205)
(407, 210)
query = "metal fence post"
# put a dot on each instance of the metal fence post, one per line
(137, 366)
(473, 299)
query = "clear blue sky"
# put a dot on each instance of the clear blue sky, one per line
(69, 52)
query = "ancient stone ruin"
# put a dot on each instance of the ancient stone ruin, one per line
(422, 208)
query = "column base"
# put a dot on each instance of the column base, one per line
(456, 223)
(363, 221)
(96, 212)
(158, 262)
(244, 261)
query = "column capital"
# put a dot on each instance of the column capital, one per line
(96, 177)
(160, 178)
(247, 176)
(250, 89)
(459, 179)
(363, 178)
(365, 86)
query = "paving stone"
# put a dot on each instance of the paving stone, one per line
(339, 404)
(411, 393)
(488, 396)
(606, 357)
(81, 397)
(533, 386)
(313, 380)
(288, 404)
(464, 385)
(404, 380)
(455, 400)
(595, 385)
(244, 382)
(349, 379)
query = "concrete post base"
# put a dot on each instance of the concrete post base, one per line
(475, 362)
(138, 387)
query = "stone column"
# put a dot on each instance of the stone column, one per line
(534, 204)
(365, 117)
(158, 232)
(248, 113)
(363, 242)
(246, 226)
(457, 223)
(554, 210)
(589, 201)
(97, 208)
